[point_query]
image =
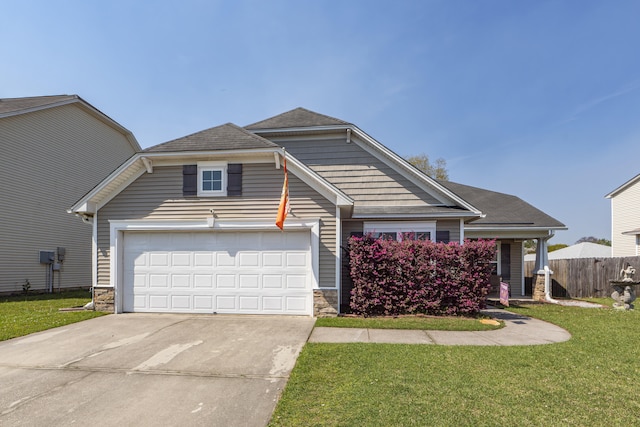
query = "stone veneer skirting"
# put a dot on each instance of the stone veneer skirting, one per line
(325, 302)
(104, 299)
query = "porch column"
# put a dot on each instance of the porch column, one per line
(542, 260)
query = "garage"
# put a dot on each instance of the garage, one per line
(247, 272)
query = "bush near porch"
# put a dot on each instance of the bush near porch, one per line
(413, 276)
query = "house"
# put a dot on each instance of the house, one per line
(55, 149)
(188, 225)
(579, 250)
(625, 220)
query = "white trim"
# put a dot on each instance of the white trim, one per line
(462, 236)
(213, 167)
(118, 227)
(94, 251)
(338, 255)
(522, 287)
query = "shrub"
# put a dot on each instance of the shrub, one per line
(419, 276)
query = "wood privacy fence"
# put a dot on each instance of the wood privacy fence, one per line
(584, 277)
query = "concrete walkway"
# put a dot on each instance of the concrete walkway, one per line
(518, 330)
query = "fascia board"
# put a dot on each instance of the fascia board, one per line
(319, 184)
(187, 155)
(41, 107)
(623, 187)
(434, 216)
(420, 179)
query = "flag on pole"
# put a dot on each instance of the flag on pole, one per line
(283, 208)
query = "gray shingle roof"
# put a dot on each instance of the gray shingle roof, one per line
(219, 138)
(15, 105)
(502, 210)
(299, 117)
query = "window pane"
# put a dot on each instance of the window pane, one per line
(207, 175)
(216, 175)
(207, 186)
(217, 185)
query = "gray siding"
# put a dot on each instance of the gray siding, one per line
(50, 159)
(360, 175)
(450, 225)
(159, 196)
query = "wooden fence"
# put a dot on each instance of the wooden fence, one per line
(583, 277)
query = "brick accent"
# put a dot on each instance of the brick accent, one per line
(104, 299)
(325, 303)
(538, 288)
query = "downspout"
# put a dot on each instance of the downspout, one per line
(547, 286)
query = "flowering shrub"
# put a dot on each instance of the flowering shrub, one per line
(419, 276)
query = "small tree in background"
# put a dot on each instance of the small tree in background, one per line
(437, 170)
(557, 246)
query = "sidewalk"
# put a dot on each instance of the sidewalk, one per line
(518, 330)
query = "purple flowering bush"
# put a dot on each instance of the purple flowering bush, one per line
(419, 276)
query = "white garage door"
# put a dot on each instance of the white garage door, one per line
(221, 272)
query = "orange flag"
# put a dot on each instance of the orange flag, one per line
(283, 209)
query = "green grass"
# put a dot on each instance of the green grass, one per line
(408, 322)
(23, 315)
(592, 379)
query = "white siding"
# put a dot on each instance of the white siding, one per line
(625, 216)
(50, 159)
(159, 196)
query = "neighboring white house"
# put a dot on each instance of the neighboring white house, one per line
(625, 218)
(579, 250)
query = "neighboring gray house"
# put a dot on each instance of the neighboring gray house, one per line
(189, 225)
(55, 149)
(625, 218)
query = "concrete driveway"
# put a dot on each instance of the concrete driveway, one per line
(151, 370)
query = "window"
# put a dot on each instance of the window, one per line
(399, 230)
(496, 262)
(212, 179)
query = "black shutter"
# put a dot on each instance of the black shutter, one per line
(234, 179)
(189, 180)
(442, 236)
(505, 261)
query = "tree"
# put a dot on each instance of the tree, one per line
(557, 246)
(437, 170)
(592, 239)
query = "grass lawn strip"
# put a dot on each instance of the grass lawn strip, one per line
(592, 379)
(432, 323)
(23, 315)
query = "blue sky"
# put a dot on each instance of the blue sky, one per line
(534, 98)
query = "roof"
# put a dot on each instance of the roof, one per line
(633, 232)
(502, 210)
(219, 138)
(11, 106)
(580, 250)
(623, 187)
(299, 117)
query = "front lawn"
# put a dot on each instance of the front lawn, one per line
(23, 315)
(431, 323)
(592, 379)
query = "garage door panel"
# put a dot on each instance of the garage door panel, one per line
(159, 259)
(240, 272)
(203, 281)
(180, 281)
(272, 260)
